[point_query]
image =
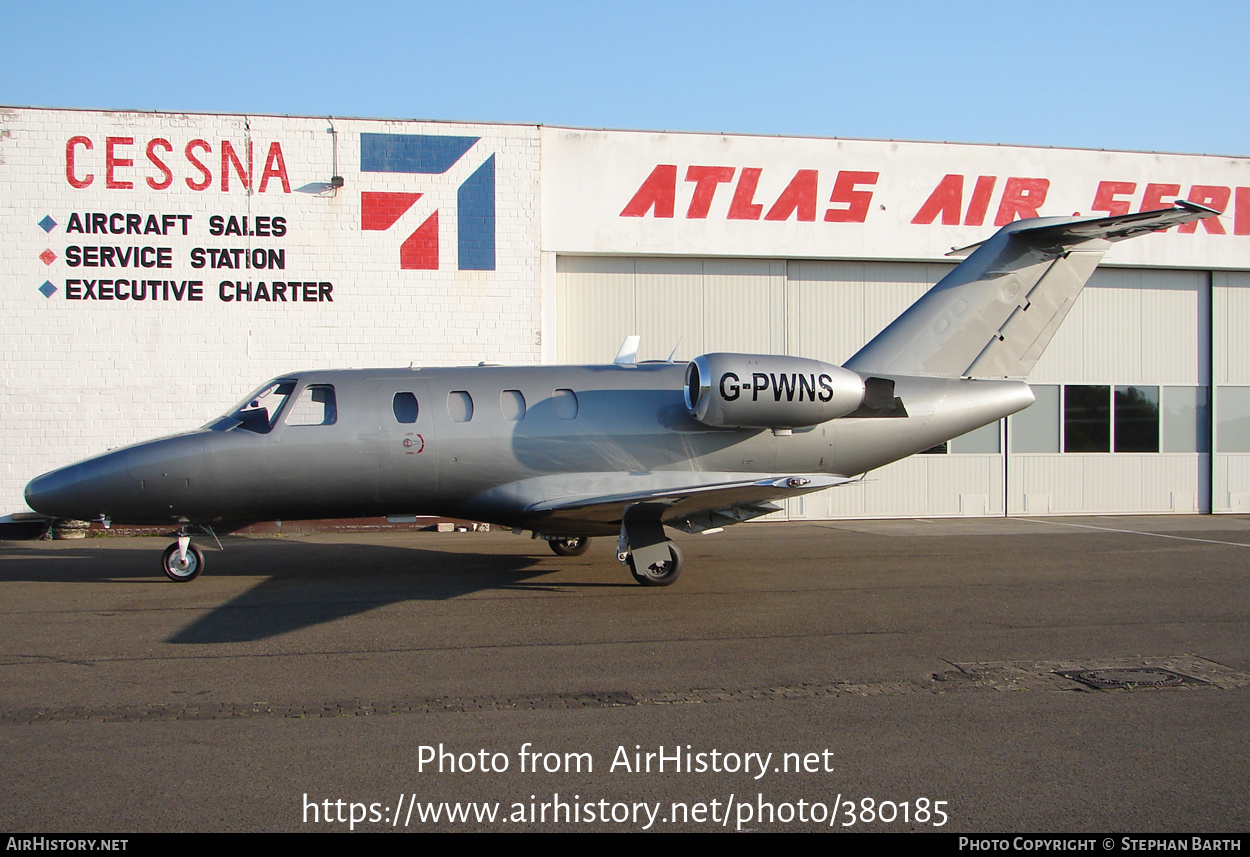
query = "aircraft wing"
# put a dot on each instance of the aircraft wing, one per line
(691, 507)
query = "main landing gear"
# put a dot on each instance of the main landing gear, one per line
(652, 559)
(661, 573)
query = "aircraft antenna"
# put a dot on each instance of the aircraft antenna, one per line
(628, 353)
(673, 353)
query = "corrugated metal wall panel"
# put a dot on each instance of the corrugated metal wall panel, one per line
(594, 308)
(743, 308)
(1231, 482)
(1121, 483)
(1230, 366)
(1231, 323)
(1129, 326)
(670, 296)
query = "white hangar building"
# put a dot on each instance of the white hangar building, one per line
(156, 267)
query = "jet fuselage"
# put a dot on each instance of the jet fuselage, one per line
(487, 443)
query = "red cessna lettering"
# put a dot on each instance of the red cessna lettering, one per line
(122, 162)
(848, 196)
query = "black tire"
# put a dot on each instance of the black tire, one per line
(182, 572)
(569, 545)
(659, 575)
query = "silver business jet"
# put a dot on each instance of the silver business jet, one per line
(628, 449)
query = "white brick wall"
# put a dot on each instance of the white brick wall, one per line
(80, 376)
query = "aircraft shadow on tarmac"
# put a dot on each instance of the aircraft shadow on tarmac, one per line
(305, 584)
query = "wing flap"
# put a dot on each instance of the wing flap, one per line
(688, 507)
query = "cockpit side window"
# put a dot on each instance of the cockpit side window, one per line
(259, 412)
(315, 407)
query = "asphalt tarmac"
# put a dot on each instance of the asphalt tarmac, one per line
(988, 675)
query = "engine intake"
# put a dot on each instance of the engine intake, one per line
(769, 391)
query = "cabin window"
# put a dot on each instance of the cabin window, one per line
(564, 404)
(459, 406)
(512, 403)
(405, 407)
(314, 407)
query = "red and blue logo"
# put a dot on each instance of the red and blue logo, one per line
(429, 155)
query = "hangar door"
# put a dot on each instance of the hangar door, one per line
(1133, 333)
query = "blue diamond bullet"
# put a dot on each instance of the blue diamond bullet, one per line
(48, 289)
(47, 223)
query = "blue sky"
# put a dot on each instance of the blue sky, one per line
(1153, 76)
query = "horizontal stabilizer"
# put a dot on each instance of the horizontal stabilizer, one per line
(994, 314)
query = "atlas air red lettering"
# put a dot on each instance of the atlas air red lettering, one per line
(800, 200)
(1021, 197)
(808, 387)
(1117, 197)
(125, 162)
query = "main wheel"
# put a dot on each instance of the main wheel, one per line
(569, 545)
(658, 575)
(182, 570)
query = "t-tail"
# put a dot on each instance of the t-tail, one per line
(994, 314)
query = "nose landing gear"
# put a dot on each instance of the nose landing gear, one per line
(182, 561)
(569, 545)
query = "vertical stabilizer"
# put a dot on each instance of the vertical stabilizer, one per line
(994, 315)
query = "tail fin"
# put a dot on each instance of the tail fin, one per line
(994, 315)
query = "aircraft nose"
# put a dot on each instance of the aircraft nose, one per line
(149, 482)
(71, 492)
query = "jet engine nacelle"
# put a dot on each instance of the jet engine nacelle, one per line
(769, 391)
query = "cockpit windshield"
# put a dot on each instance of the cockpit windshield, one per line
(259, 411)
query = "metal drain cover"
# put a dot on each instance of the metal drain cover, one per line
(1129, 677)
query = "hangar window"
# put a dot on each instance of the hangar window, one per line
(1105, 418)
(1186, 418)
(1036, 428)
(1232, 432)
(1087, 418)
(978, 441)
(982, 440)
(564, 404)
(1136, 419)
(405, 407)
(314, 407)
(459, 406)
(1102, 418)
(512, 403)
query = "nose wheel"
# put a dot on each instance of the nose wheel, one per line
(569, 545)
(182, 561)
